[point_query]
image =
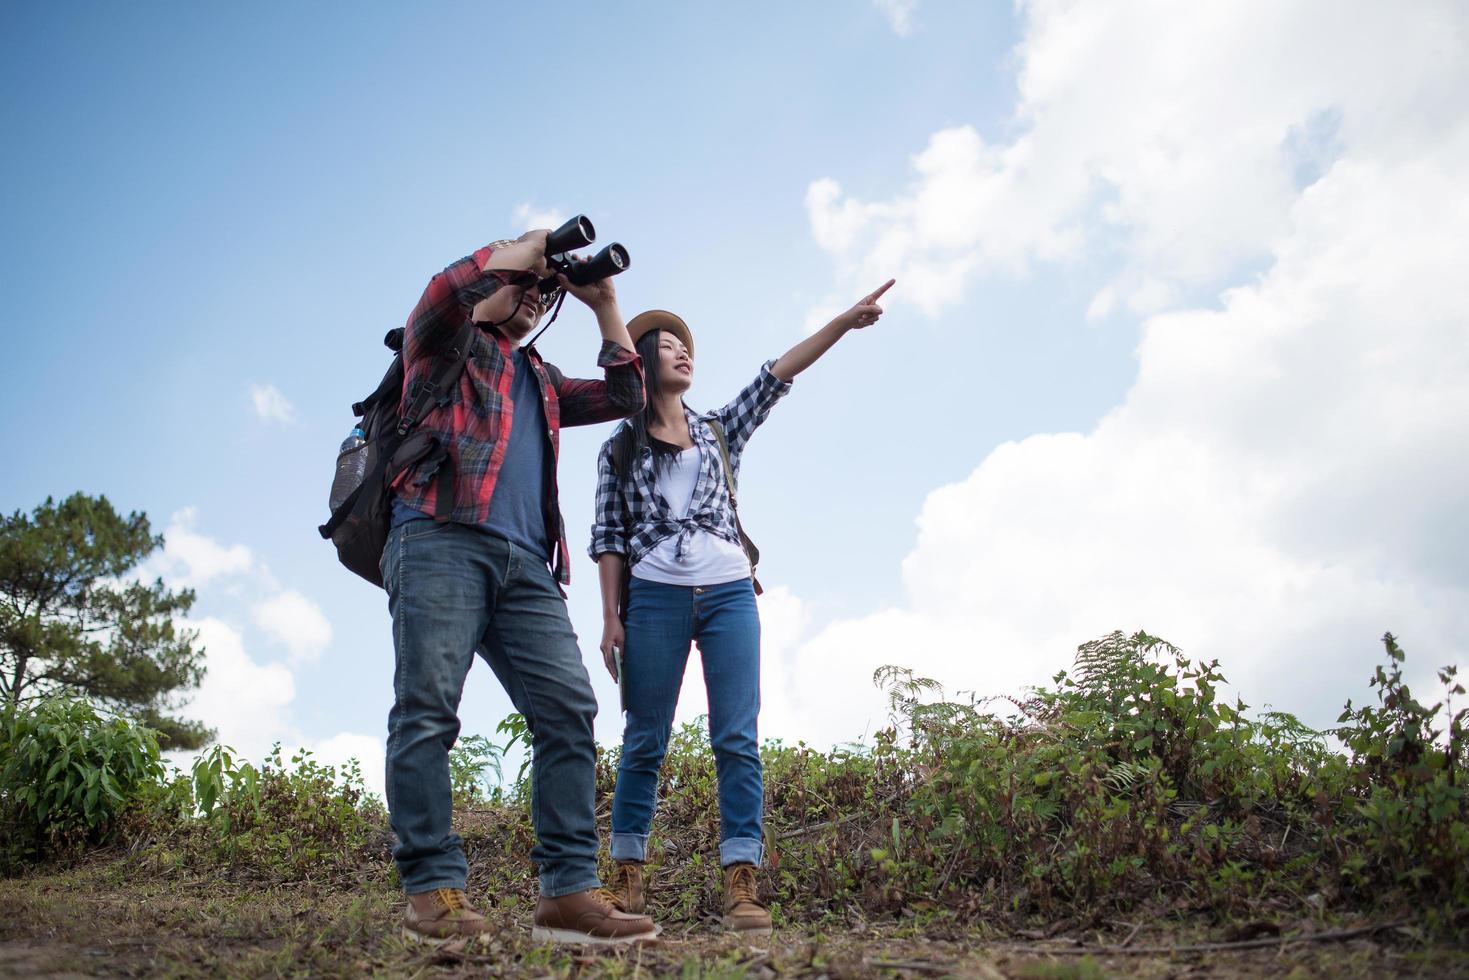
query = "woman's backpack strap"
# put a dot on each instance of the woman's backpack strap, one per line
(751, 552)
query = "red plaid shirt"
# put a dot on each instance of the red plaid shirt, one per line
(475, 425)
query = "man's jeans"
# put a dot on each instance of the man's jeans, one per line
(454, 589)
(662, 620)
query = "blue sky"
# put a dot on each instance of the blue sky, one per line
(1110, 391)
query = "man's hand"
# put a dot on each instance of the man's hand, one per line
(613, 635)
(527, 252)
(599, 295)
(865, 312)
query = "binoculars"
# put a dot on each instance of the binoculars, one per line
(579, 233)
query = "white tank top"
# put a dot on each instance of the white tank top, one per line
(708, 559)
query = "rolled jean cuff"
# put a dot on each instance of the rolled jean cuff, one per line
(433, 884)
(554, 886)
(629, 847)
(741, 850)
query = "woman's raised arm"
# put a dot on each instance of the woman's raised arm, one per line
(864, 313)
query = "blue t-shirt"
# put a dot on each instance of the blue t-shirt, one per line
(518, 508)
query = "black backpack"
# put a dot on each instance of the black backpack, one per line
(359, 526)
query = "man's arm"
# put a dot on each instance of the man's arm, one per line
(452, 295)
(601, 297)
(526, 252)
(621, 393)
(446, 303)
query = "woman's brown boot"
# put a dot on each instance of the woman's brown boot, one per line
(625, 890)
(743, 912)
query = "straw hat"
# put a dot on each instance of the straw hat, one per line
(661, 320)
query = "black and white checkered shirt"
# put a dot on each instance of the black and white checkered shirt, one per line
(632, 517)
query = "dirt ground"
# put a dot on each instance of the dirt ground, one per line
(104, 920)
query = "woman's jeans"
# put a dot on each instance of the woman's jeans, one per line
(662, 620)
(454, 590)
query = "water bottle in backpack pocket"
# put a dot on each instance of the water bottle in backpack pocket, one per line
(383, 444)
(351, 467)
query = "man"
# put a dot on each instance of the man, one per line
(483, 573)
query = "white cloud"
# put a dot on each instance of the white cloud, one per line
(249, 705)
(191, 559)
(1177, 135)
(292, 619)
(899, 14)
(368, 750)
(246, 702)
(530, 215)
(271, 405)
(249, 701)
(783, 619)
(1284, 481)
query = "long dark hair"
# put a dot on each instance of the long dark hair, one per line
(628, 445)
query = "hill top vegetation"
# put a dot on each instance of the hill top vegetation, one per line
(1126, 799)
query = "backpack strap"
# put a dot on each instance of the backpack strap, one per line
(553, 373)
(439, 385)
(344, 510)
(751, 552)
(441, 471)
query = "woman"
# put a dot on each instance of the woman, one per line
(664, 507)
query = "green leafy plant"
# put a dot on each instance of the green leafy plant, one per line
(471, 759)
(518, 730)
(67, 772)
(1408, 761)
(225, 785)
(285, 819)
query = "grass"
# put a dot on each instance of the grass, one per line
(116, 915)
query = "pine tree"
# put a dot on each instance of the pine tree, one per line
(74, 620)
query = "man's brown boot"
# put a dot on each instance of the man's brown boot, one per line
(441, 914)
(587, 917)
(625, 890)
(743, 912)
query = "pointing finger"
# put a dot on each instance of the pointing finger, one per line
(873, 296)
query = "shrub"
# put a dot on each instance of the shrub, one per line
(471, 760)
(281, 822)
(473, 757)
(67, 773)
(1130, 780)
(1410, 825)
(1127, 783)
